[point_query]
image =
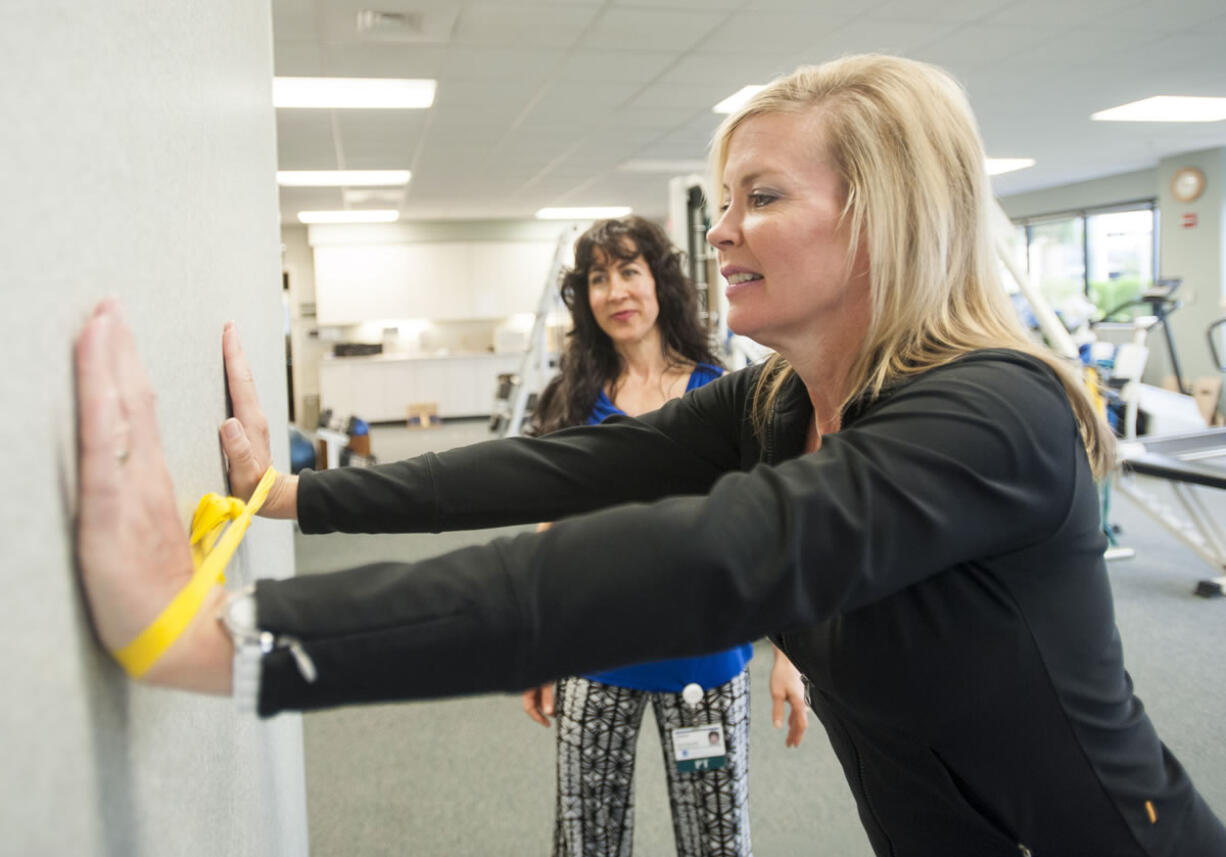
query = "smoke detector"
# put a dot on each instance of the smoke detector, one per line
(405, 26)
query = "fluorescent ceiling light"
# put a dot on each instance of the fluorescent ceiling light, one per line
(996, 166)
(342, 178)
(370, 215)
(664, 165)
(346, 92)
(589, 213)
(733, 102)
(1166, 108)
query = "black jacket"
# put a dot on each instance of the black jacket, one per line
(935, 570)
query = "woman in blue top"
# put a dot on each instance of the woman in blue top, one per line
(637, 342)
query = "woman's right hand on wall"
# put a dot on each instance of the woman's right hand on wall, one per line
(538, 703)
(244, 437)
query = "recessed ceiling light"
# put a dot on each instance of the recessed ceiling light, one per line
(352, 92)
(1166, 108)
(733, 102)
(664, 165)
(588, 213)
(342, 178)
(372, 215)
(996, 166)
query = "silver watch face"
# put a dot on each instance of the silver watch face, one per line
(239, 615)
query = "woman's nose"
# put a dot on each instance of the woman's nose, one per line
(722, 232)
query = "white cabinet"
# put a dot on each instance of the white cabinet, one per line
(381, 389)
(508, 277)
(446, 280)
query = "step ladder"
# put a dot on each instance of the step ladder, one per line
(516, 393)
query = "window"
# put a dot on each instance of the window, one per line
(1120, 258)
(1055, 255)
(1104, 255)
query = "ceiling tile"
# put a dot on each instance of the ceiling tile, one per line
(1164, 16)
(975, 45)
(506, 25)
(1058, 14)
(873, 35)
(681, 99)
(379, 139)
(683, 4)
(470, 62)
(294, 19)
(380, 59)
(938, 11)
(832, 6)
(614, 66)
(297, 58)
(295, 199)
(433, 21)
(525, 116)
(716, 70)
(304, 140)
(651, 29)
(771, 33)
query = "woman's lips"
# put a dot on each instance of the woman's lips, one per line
(736, 288)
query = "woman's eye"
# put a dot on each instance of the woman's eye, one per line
(760, 200)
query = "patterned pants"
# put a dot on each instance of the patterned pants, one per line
(598, 727)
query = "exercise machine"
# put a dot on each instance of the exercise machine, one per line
(1161, 302)
(1178, 480)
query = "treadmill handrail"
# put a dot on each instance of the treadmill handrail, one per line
(1153, 464)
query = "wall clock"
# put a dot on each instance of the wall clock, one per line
(1187, 184)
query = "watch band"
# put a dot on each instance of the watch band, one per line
(239, 616)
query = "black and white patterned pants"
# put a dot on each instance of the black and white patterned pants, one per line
(598, 728)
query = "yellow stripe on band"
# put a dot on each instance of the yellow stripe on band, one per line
(210, 553)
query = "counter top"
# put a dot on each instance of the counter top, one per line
(396, 358)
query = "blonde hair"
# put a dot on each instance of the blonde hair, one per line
(902, 135)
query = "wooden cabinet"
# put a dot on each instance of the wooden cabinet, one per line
(381, 389)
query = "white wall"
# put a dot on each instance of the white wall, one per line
(299, 265)
(1109, 190)
(137, 160)
(1197, 254)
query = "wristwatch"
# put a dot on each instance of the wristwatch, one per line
(240, 619)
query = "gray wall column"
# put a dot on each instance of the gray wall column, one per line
(137, 160)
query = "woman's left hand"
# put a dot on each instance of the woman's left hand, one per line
(131, 546)
(787, 688)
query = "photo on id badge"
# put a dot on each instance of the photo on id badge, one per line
(699, 748)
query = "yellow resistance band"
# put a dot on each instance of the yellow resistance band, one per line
(211, 550)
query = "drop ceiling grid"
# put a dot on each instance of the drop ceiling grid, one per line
(512, 82)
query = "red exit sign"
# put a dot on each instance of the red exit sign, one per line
(1189, 220)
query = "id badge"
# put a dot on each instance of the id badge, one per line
(700, 748)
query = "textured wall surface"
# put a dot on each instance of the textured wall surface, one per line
(137, 160)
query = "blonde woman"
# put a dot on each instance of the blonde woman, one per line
(905, 497)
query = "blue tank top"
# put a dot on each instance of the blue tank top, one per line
(672, 675)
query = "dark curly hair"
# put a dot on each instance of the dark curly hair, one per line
(589, 359)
